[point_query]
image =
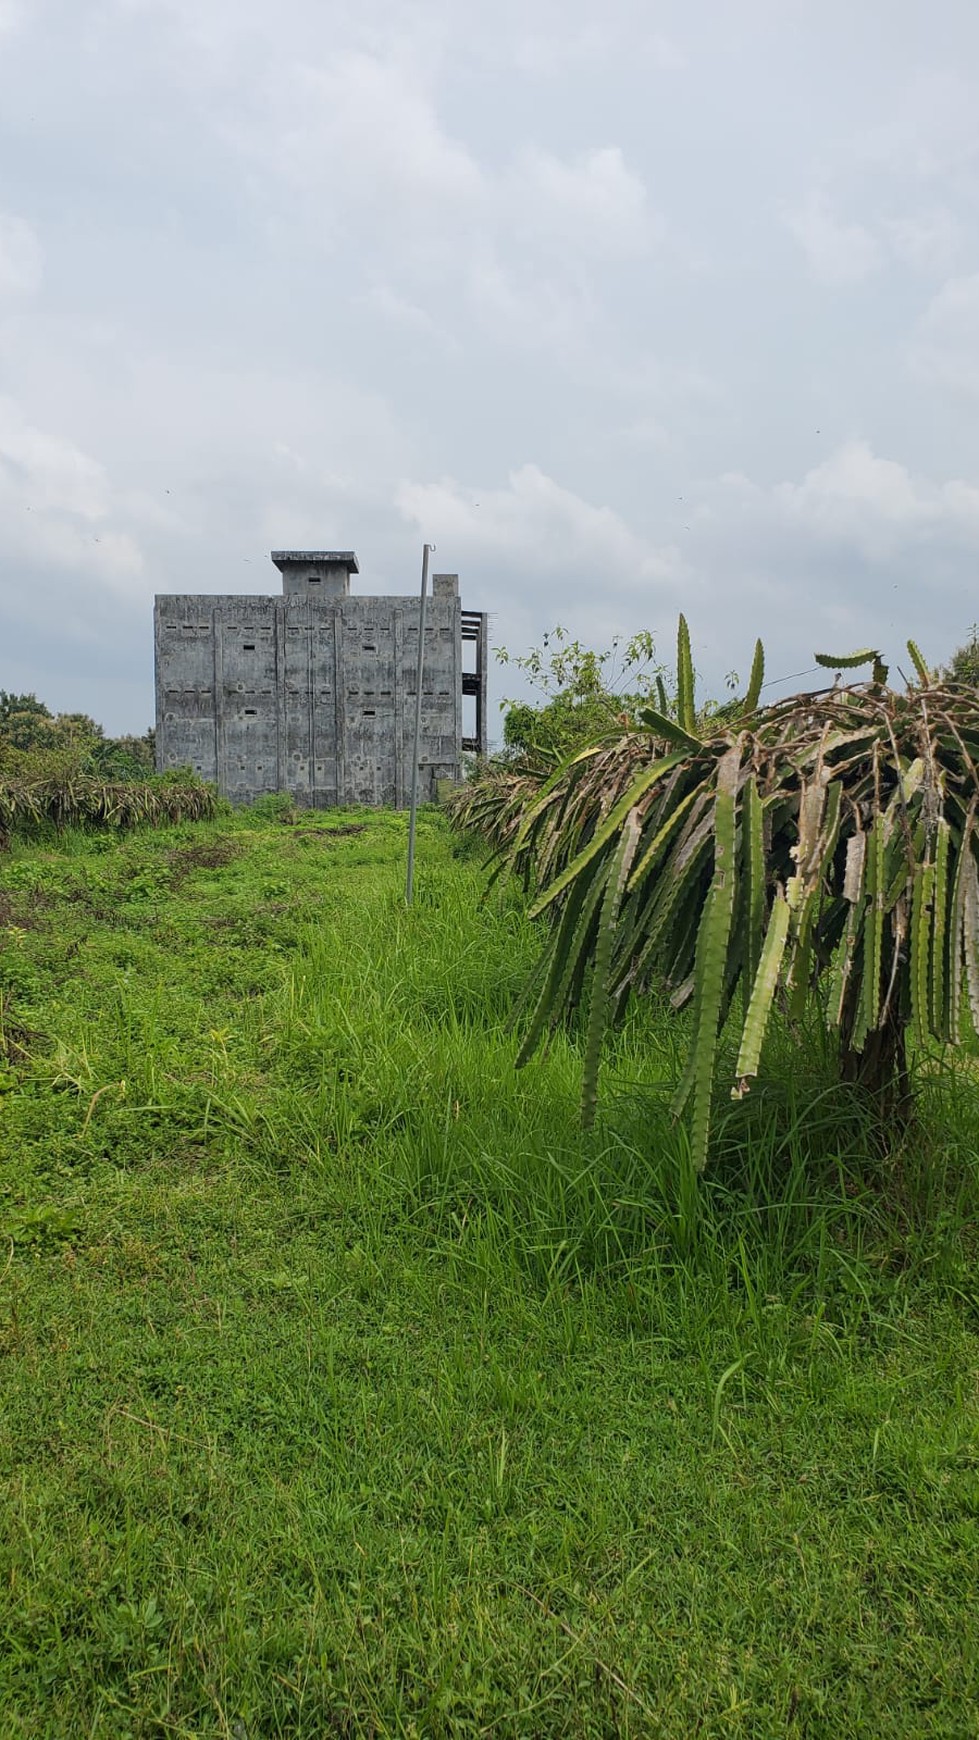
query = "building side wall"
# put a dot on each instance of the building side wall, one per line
(318, 699)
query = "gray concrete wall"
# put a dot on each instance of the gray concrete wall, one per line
(310, 694)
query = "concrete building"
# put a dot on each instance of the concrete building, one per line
(313, 692)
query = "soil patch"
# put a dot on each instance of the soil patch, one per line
(329, 834)
(209, 855)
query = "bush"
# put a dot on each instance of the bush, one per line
(28, 727)
(820, 854)
(585, 694)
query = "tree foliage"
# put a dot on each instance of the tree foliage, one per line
(34, 741)
(25, 721)
(583, 694)
(963, 666)
(818, 850)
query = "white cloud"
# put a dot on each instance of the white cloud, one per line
(400, 312)
(20, 256)
(535, 553)
(529, 311)
(945, 349)
(551, 226)
(549, 54)
(663, 53)
(645, 432)
(552, 51)
(368, 129)
(537, 525)
(58, 505)
(854, 491)
(930, 136)
(381, 178)
(593, 200)
(877, 506)
(928, 241)
(51, 472)
(11, 15)
(838, 253)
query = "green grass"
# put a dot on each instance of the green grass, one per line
(349, 1389)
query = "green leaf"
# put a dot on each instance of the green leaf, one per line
(668, 728)
(953, 939)
(682, 868)
(756, 679)
(550, 793)
(685, 710)
(873, 934)
(924, 674)
(753, 873)
(970, 937)
(803, 919)
(712, 947)
(847, 661)
(921, 901)
(938, 940)
(569, 941)
(853, 874)
(598, 1009)
(661, 838)
(608, 829)
(762, 993)
(842, 967)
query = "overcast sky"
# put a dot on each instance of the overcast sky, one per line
(628, 307)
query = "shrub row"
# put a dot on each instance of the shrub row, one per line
(29, 803)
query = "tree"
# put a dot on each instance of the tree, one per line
(963, 666)
(584, 693)
(124, 758)
(28, 727)
(822, 850)
(25, 722)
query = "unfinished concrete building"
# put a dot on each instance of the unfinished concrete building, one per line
(313, 693)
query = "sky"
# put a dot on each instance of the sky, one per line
(628, 309)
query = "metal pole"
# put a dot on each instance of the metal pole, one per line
(416, 750)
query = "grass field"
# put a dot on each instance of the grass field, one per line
(348, 1389)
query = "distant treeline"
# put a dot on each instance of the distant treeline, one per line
(28, 729)
(60, 769)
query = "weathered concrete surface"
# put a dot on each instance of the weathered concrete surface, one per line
(313, 692)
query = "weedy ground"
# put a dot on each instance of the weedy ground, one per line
(347, 1388)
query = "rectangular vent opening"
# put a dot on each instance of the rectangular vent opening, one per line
(248, 646)
(251, 712)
